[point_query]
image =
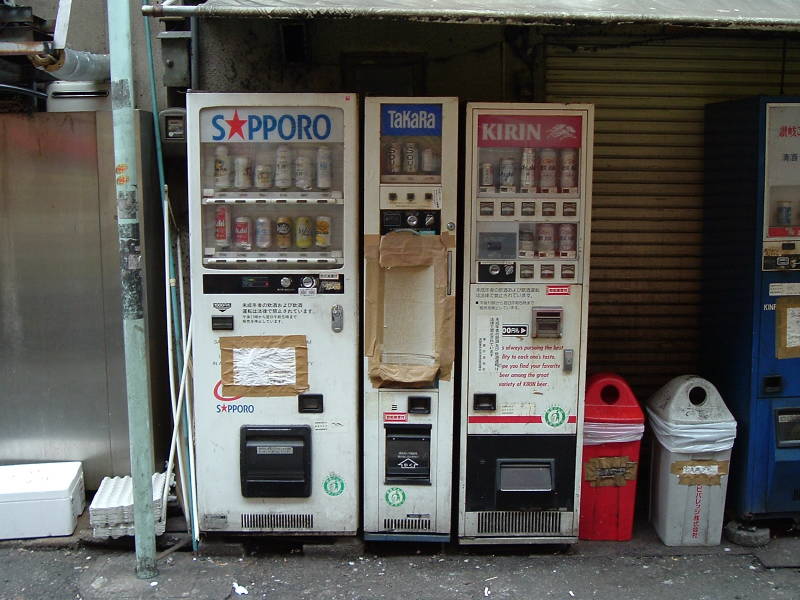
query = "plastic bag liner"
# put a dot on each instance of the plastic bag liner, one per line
(605, 433)
(691, 438)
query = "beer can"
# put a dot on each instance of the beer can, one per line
(324, 168)
(283, 167)
(263, 232)
(784, 213)
(545, 239)
(394, 158)
(410, 157)
(242, 233)
(303, 232)
(322, 238)
(487, 174)
(222, 168)
(302, 172)
(567, 232)
(222, 226)
(242, 174)
(428, 161)
(283, 232)
(527, 170)
(548, 160)
(526, 243)
(568, 173)
(264, 173)
(507, 172)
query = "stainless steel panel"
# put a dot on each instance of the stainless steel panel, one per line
(61, 357)
(52, 358)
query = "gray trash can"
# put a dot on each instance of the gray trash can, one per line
(694, 433)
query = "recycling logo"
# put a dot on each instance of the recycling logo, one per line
(333, 485)
(395, 496)
(555, 416)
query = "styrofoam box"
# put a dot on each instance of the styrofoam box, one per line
(40, 500)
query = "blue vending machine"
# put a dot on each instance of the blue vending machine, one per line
(751, 295)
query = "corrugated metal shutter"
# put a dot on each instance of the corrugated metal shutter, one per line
(648, 182)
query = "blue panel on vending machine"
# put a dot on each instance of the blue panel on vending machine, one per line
(751, 294)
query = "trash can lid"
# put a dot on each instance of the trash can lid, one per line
(609, 399)
(689, 399)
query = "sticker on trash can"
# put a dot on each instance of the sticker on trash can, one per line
(699, 472)
(607, 471)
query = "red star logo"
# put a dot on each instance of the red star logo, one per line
(236, 125)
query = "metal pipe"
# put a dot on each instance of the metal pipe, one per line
(136, 375)
(74, 65)
(194, 54)
(5, 87)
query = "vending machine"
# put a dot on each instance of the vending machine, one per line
(410, 206)
(527, 223)
(751, 297)
(273, 208)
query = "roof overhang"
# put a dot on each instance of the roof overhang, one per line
(727, 14)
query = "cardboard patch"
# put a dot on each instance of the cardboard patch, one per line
(610, 471)
(699, 472)
(290, 369)
(407, 250)
(787, 327)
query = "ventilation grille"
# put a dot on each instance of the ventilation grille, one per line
(277, 521)
(519, 522)
(407, 524)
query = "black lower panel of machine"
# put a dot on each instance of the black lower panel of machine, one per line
(275, 461)
(520, 472)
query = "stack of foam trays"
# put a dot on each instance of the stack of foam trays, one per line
(111, 511)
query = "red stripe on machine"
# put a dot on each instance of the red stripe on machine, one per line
(506, 419)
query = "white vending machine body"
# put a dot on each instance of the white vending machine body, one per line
(273, 208)
(410, 209)
(525, 300)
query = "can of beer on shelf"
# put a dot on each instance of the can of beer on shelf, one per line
(568, 173)
(527, 169)
(322, 239)
(784, 213)
(242, 175)
(222, 168)
(263, 232)
(324, 168)
(428, 161)
(487, 174)
(545, 240)
(222, 226)
(283, 167)
(283, 233)
(548, 160)
(264, 172)
(242, 233)
(302, 172)
(566, 237)
(410, 157)
(303, 232)
(394, 158)
(507, 172)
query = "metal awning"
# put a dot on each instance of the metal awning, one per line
(734, 14)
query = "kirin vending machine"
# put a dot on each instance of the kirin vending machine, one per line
(273, 208)
(410, 206)
(527, 223)
(751, 296)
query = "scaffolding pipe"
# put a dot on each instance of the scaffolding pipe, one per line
(136, 369)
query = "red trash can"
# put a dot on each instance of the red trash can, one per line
(613, 425)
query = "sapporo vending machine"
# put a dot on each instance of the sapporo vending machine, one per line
(410, 205)
(527, 201)
(273, 200)
(751, 296)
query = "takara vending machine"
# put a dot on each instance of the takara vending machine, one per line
(751, 296)
(527, 200)
(273, 199)
(410, 195)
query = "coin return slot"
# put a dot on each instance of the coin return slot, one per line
(484, 401)
(309, 403)
(547, 322)
(419, 405)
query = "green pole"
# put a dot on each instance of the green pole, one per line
(136, 375)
